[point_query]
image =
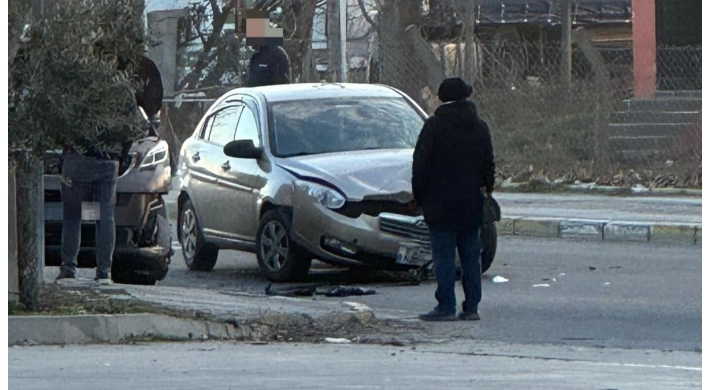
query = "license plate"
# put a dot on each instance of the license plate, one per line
(409, 254)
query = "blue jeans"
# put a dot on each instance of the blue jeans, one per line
(88, 180)
(444, 243)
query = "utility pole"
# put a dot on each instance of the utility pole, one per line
(333, 38)
(343, 41)
(566, 48)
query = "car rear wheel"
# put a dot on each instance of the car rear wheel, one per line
(198, 255)
(281, 259)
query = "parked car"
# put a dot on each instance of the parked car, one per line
(143, 241)
(300, 172)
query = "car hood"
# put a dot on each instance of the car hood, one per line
(368, 174)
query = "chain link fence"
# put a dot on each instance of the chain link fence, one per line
(589, 130)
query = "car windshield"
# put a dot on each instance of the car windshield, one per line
(302, 127)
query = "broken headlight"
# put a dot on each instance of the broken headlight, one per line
(326, 196)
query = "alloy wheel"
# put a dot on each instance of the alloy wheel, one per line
(189, 233)
(274, 245)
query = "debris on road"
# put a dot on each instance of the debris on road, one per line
(333, 340)
(301, 291)
(356, 306)
(342, 291)
(541, 285)
(592, 268)
(311, 290)
(499, 279)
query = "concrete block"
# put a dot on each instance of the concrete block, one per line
(582, 229)
(699, 236)
(506, 226)
(627, 231)
(675, 233)
(538, 227)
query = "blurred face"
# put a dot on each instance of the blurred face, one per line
(259, 31)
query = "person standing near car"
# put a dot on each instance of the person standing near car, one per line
(270, 64)
(453, 164)
(89, 176)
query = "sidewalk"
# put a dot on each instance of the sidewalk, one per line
(194, 314)
(639, 218)
(666, 219)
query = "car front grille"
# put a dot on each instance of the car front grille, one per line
(413, 229)
(353, 209)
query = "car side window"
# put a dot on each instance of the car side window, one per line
(248, 127)
(221, 127)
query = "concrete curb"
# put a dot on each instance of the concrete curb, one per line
(598, 189)
(112, 329)
(662, 232)
(85, 329)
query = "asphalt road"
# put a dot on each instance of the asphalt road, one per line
(599, 294)
(311, 366)
(609, 294)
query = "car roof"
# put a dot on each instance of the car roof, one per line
(306, 91)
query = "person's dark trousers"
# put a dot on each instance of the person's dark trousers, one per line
(444, 243)
(88, 188)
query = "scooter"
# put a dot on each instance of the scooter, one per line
(143, 239)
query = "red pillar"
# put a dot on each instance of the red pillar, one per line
(644, 37)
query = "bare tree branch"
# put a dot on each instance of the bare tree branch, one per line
(361, 4)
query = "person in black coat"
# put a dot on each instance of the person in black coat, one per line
(453, 166)
(270, 65)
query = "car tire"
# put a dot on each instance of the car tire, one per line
(198, 254)
(281, 259)
(489, 245)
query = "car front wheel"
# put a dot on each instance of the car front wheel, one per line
(281, 259)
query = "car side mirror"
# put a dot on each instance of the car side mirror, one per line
(243, 149)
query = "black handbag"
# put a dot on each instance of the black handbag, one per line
(491, 210)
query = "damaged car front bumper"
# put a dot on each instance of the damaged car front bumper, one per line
(385, 240)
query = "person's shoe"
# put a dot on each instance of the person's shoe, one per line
(437, 315)
(469, 316)
(65, 277)
(102, 278)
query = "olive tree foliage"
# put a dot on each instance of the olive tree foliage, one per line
(70, 85)
(71, 79)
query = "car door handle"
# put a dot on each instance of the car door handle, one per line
(196, 157)
(226, 166)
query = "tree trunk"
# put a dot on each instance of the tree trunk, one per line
(407, 62)
(298, 24)
(30, 228)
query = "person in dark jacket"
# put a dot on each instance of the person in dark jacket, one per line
(453, 166)
(270, 65)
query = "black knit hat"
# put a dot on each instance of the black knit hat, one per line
(454, 89)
